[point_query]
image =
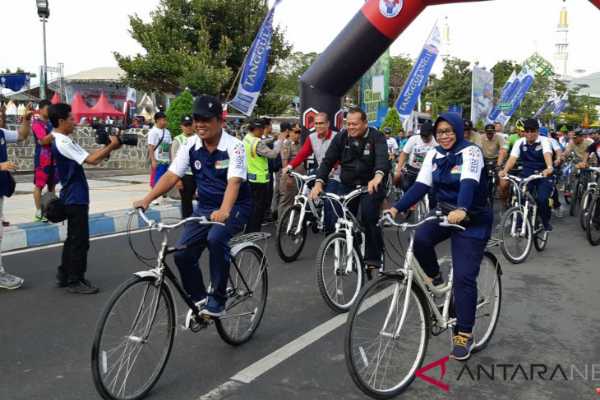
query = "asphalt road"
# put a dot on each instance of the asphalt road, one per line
(550, 315)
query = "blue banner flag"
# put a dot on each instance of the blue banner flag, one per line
(507, 91)
(560, 104)
(418, 75)
(255, 67)
(14, 82)
(525, 78)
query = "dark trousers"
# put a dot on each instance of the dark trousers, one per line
(467, 254)
(74, 256)
(367, 208)
(543, 190)
(216, 238)
(260, 193)
(187, 195)
(331, 210)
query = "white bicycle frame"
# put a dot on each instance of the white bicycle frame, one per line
(302, 200)
(521, 192)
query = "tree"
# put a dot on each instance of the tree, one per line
(454, 87)
(180, 107)
(392, 120)
(400, 67)
(184, 48)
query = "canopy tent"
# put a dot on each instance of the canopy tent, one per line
(79, 109)
(55, 98)
(104, 109)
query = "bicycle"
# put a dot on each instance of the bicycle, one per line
(582, 178)
(134, 335)
(521, 223)
(399, 306)
(567, 178)
(591, 209)
(293, 224)
(341, 255)
(490, 167)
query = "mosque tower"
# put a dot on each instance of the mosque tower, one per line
(445, 40)
(562, 43)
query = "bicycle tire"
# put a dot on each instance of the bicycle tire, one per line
(322, 285)
(99, 359)
(585, 207)
(281, 227)
(481, 341)
(369, 305)
(236, 292)
(575, 200)
(515, 258)
(592, 229)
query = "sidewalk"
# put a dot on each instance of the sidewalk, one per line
(111, 197)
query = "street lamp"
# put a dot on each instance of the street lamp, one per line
(44, 13)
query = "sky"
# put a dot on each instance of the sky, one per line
(83, 34)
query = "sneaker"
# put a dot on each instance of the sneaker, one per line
(462, 346)
(82, 286)
(38, 216)
(189, 317)
(10, 282)
(214, 313)
(438, 280)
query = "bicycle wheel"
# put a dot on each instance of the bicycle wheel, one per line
(290, 244)
(575, 205)
(489, 300)
(133, 340)
(586, 201)
(540, 235)
(338, 287)
(515, 235)
(246, 297)
(592, 228)
(381, 363)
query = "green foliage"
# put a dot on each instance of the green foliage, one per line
(400, 67)
(184, 48)
(454, 87)
(179, 107)
(392, 120)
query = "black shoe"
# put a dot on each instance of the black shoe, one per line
(438, 280)
(82, 286)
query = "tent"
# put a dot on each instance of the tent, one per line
(55, 98)
(79, 109)
(104, 109)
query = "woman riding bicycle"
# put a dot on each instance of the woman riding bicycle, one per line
(453, 172)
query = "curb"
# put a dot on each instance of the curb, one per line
(35, 234)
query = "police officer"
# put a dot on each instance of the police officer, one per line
(453, 172)
(218, 163)
(257, 155)
(363, 156)
(535, 154)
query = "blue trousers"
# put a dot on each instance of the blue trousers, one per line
(330, 213)
(467, 254)
(543, 190)
(196, 238)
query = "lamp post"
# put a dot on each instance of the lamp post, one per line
(43, 12)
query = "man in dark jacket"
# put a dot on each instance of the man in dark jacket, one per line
(362, 154)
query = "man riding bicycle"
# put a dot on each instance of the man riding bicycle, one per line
(454, 173)
(362, 154)
(414, 151)
(535, 154)
(218, 163)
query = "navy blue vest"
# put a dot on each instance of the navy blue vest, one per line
(532, 157)
(210, 173)
(4, 177)
(75, 190)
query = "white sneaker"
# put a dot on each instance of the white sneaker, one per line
(189, 318)
(10, 282)
(212, 314)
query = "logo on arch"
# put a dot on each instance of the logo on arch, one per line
(390, 8)
(308, 118)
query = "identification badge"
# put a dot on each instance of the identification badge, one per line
(222, 164)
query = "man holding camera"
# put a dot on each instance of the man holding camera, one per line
(75, 196)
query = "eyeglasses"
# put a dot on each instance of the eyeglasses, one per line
(444, 132)
(297, 131)
(320, 123)
(530, 130)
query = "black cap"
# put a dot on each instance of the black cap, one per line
(187, 120)
(426, 129)
(159, 115)
(266, 121)
(206, 106)
(257, 123)
(468, 125)
(490, 128)
(531, 124)
(387, 130)
(285, 126)
(579, 132)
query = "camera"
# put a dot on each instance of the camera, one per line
(103, 131)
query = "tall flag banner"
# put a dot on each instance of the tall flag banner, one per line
(547, 106)
(405, 104)
(525, 78)
(482, 94)
(14, 82)
(561, 104)
(255, 67)
(375, 90)
(507, 91)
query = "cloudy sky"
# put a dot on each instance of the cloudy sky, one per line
(83, 33)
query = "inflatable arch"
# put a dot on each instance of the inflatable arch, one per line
(372, 30)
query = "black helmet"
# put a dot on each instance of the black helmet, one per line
(490, 128)
(468, 125)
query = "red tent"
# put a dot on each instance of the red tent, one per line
(79, 109)
(104, 109)
(55, 99)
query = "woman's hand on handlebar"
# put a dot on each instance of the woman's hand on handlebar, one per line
(393, 212)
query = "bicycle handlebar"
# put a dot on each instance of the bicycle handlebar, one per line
(442, 221)
(346, 197)
(160, 226)
(522, 181)
(304, 178)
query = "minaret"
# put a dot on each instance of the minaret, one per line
(445, 40)
(562, 43)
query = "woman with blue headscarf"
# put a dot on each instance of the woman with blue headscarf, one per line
(453, 172)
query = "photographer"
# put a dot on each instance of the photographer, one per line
(74, 194)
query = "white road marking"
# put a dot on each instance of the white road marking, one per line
(255, 370)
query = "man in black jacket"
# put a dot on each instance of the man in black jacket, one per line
(362, 154)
